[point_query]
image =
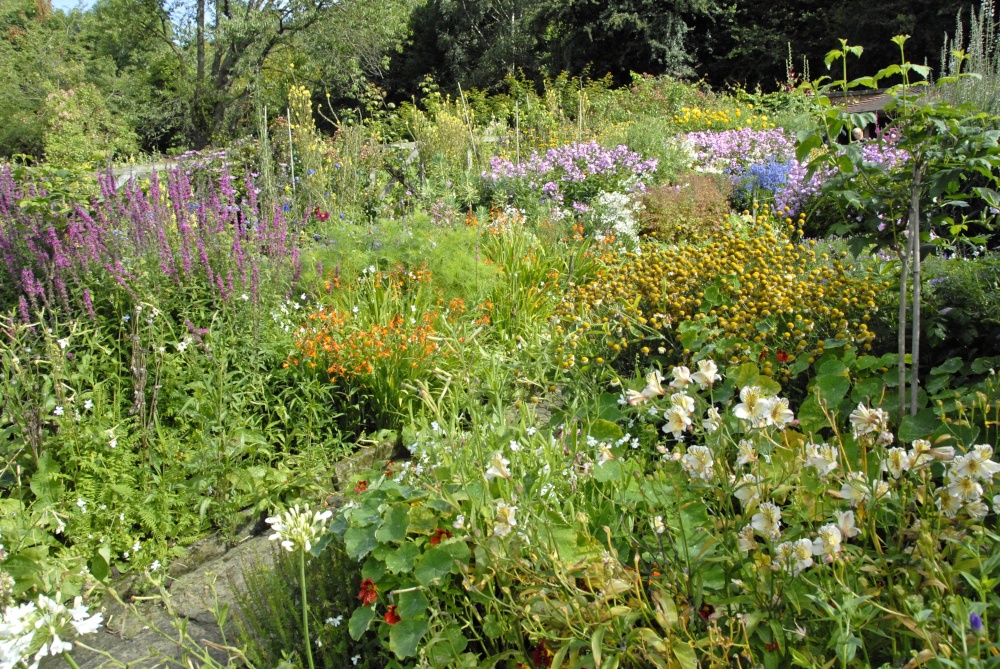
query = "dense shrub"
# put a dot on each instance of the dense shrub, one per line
(697, 203)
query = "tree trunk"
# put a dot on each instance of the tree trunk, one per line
(200, 38)
(914, 227)
(904, 256)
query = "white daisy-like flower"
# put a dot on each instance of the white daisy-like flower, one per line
(896, 462)
(678, 421)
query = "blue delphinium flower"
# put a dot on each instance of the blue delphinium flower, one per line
(976, 623)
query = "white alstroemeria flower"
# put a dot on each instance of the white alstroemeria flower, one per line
(948, 503)
(748, 489)
(855, 489)
(767, 521)
(865, 420)
(298, 528)
(682, 400)
(604, 454)
(746, 453)
(678, 421)
(654, 384)
(779, 414)
(712, 420)
(698, 463)
(803, 556)
(977, 463)
(896, 462)
(706, 375)
(634, 398)
(658, 526)
(459, 522)
(753, 408)
(977, 510)
(845, 523)
(498, 468)
(822, 458)
(505, 520)
(965, 488)
(745, 540)
(827, 544)
(682, 377)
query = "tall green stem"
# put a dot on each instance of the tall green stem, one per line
(305, 608)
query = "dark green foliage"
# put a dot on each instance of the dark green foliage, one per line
(271, 623)
(963, 307)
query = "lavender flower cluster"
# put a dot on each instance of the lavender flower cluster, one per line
(734, 151)
(573, 174)
(208, 240)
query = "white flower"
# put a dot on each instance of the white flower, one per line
(498, 468)
(845, 523)
(803, 556)
(633, 398)
(822, 458)
(698, 463)
(678, 420)
(977, 510)
(753, 408)
(354, 660)
(827, 544)
(977, 463)
(767, 521)
(658, 525)
(505, 520)
(706, 375)
(654, 384)
(948, 503)
(335, 621)
(682, 377)
(748, 489)
(996, 504)
(514, 446)
(604, 455)
(855, 489)
(865, 420)
(155, 566)
(63, 343)
(531, 431)
(896, 462)
(136, 546)
(682, 400)
(58, 411)
(745, 539)
(113, 443)
(780, 415)
(712, 420)
(745, 453)
(88, 404)
(82, 503)
(965, 488)
(298, 529)
(459, 522)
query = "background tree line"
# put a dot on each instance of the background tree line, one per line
(157, 75)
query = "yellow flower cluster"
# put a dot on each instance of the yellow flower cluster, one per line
(757, 294)
(691, 119)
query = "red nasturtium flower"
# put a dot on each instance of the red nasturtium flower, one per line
(782, 356)
(361, 487)
(440, 534)
(391, 616)
(542, 656)
(368, 593)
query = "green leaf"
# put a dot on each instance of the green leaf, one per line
(743, 375)
(412, 604)
(447, 646)
(359, 541)
(401, 560)
(394, 526)
(405, 636)
(433, 565)
(604, 430)
(684, 654)
(608, 471)
(918, 427)
(811, 416)
(45, 483)
(949, 366)
(832, 389)
(360, 619)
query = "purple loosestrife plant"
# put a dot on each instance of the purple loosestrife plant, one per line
(169, 238)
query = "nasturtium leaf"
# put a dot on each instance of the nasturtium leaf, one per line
(447, 646)
(604, 430)
(405, 636)
(918, 427)
(434, 564)
(412, 604)
(360, 619)
(395, 524)
(359, 541)
(401, 560)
